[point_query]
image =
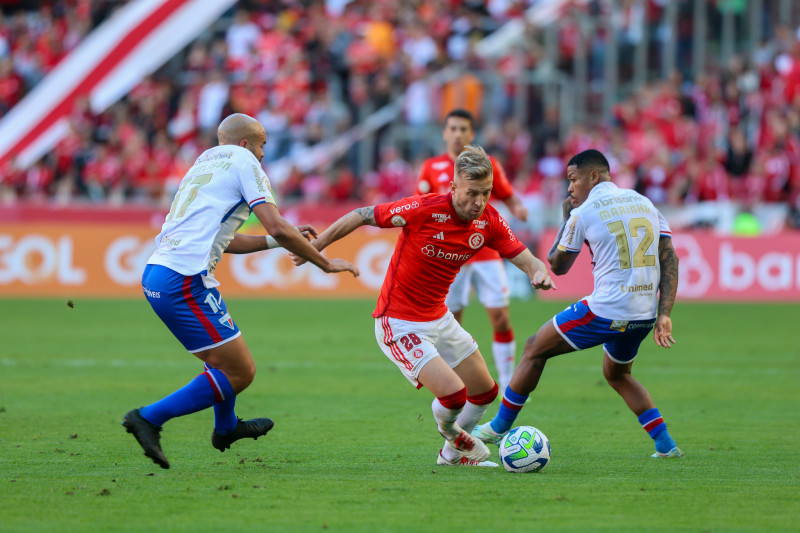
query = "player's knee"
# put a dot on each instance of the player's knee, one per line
(244, 376)
(502, 325)
(501, 320)
(531, 350)
(615, 378)
(250, 372)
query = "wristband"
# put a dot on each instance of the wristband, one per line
(272, 243)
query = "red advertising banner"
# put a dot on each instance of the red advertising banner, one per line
(712, 267)
(101, 253)
(84, 260)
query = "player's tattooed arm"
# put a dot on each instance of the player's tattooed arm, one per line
(345, 225)
(367, 215)
(668, 285)
(667, 288)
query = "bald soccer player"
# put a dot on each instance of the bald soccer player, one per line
(215, 197)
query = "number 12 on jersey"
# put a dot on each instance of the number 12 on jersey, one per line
(194, 185)
(640, 258)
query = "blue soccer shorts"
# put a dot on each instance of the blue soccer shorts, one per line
(194, 313)
(583, 329)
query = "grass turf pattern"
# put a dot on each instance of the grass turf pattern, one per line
(354, 446)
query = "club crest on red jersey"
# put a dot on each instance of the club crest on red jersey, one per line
(475, 241)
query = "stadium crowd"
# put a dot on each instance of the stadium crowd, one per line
(307, 70)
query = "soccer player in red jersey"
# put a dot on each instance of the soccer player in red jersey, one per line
(413, 326)
(485, 269)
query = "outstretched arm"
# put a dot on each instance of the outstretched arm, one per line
(667, 289)
(247, 244)
(341, 228)
(534, 268)
(290, 238)
(346, 225)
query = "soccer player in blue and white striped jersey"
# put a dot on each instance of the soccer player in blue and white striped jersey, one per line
(635, 272)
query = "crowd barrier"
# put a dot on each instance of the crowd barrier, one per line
(101, 253)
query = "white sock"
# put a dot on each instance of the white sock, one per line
(504, 358)
(468, 419)
(446, 420)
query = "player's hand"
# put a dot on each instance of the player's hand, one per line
(299, 260)
(662, 332)
(567, 206)
(340, 265)
(308, 231)
(542, 281)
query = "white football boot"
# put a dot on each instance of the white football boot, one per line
(674, 452)
(459, 459)
(470, 447)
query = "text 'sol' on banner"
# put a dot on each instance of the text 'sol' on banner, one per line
(76, 259)
(712, 267)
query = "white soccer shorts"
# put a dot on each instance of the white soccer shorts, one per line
(410, 345)
(490, 282)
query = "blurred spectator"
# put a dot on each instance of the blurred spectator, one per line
(418, 111)
(241, 38)
(211, 101)
(311, 70)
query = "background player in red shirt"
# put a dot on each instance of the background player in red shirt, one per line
(413, 326)
(485, 270)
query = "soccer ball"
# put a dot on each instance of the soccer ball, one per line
(524, 449)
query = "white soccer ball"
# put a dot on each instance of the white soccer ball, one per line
(524, 449)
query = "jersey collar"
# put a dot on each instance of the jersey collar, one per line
(600, 188)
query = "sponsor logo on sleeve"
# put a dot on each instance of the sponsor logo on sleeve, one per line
(261, 182)
(571, 233)
(404, 207)
(508, 229)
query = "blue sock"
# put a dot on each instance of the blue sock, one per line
(225, 419)
(655, 426)
(202, 392)
(509, 409)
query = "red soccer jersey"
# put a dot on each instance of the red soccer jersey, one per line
(437, 173)
(433, 246)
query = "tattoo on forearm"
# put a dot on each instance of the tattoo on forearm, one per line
(367, 215)
(668, 285)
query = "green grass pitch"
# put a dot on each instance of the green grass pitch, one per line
(354, 445)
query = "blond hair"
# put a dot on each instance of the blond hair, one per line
(473, 163)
